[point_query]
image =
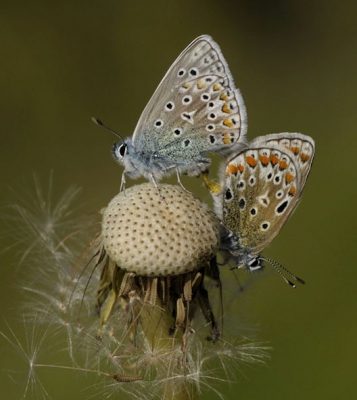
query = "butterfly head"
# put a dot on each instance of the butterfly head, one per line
(124, 153)
(245, 258)
(120, 150)
(139, 161)
(254, 262)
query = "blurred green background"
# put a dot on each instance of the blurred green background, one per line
(295, 63)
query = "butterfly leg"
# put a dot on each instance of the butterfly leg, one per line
(154, 182)
(152, 179)
(179, 180)
(123, 182)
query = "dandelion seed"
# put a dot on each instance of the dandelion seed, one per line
(29, 352)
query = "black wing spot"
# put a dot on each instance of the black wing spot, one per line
(187, 116)
(186, 142)
(242, 203)
(265, 226)
(187, 99)
(229, 195)
(193, 71)
(169, 106)
(282, 207)
(205, 97)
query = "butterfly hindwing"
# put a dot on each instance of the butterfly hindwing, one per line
(262, 187)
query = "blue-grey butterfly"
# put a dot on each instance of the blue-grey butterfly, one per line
(260, 189)
(195, 110)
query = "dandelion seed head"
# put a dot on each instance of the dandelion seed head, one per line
(159, 231)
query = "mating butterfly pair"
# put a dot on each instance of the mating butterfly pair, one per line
(196, 110)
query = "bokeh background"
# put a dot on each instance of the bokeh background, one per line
(295, 63)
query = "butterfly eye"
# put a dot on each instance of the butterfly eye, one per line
(119, 151)
(123, 149)
(254, 264)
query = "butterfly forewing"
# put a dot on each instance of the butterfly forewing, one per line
(263, 185)
(195, 109)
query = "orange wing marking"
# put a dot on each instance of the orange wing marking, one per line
(283, 164)
(226, 139)
(226, 109)
(295, 150)
(304, 157)
(289, 177)
(274, 159)
(292, 191)
(232, 169)
(264, 160)
(251, 161)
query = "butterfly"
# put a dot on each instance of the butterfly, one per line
(195, 110)
(261, 187)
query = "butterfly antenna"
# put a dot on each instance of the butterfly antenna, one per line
(277, 266)
(100, 123)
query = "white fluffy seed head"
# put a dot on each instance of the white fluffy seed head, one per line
(159, 234)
